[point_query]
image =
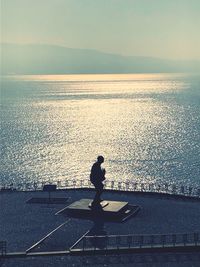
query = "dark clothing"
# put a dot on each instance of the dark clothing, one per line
(97, 175)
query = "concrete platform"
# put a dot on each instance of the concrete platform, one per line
(116, 211)
(22, 225)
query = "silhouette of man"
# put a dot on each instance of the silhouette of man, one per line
(97, 176)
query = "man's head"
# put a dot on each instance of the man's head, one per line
(100, 159)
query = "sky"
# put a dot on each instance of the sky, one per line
(156, 28)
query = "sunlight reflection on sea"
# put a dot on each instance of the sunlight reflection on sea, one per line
(146, 125)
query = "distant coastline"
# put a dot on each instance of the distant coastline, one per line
(37, 59)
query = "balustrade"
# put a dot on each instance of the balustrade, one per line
(109, 184)
(138, 241)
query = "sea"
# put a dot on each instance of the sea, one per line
(147, 127)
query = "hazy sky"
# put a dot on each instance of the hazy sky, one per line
(161, 28)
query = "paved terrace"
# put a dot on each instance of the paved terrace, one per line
(23, 224)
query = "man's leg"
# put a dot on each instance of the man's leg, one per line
(99, 191)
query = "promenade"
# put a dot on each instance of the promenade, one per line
(35, 228)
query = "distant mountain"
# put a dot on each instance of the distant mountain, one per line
(52, 59)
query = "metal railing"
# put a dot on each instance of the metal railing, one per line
(126, 185)
(3, 248)
(122, 242)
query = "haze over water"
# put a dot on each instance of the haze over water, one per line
(147, 126)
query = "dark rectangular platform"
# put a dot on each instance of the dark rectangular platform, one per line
(44, 200)
(114, 211)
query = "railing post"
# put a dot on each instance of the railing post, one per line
(142, 187)
(150, 187)
(129, 240)
(35, 186)
(153, 187)
(141, 241)
(198, 192)
(27, 186)
(127, 185)
(112, 184)
(185, 239)
(135, 186)
(118, 241)
(158, 188)
(166, 188)
(43, 183)
(66, 183)
(119, 185)
(174, 239)
(196, 238)
(95, 242)
(107, 241)
(182, 190)
(89, 184)
(84, 242)
(174, 189)
(152, 240)
(81, 183)
(59, 184)
(19, 187)
(163, 240)
(190, 189)
(74, 183)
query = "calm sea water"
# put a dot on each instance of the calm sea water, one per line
(147, 126)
